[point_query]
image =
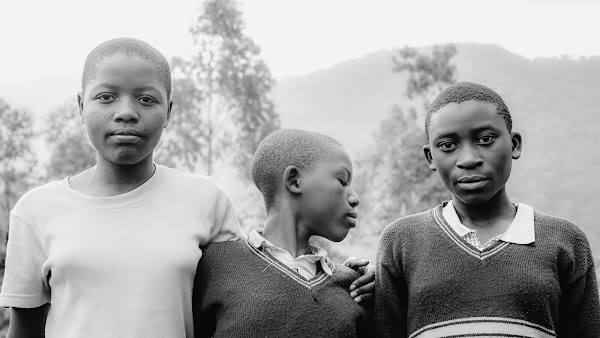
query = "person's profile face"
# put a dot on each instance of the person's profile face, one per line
(328, 199)
(125, 108)
(471, 149)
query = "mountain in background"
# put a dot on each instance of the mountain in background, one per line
(42, 96)
(553, 101)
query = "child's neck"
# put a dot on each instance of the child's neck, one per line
(107, 179)
(498, 212)
(281, 229)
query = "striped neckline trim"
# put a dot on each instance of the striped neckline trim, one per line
(313, 282)
(462, 244)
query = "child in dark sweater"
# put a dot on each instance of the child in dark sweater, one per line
(275, 283)
(480, 265)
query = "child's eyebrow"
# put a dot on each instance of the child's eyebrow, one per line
(444, 135)
(476, 130)
(116, 87)
(146, 88)
(484, 128)
(106, 85)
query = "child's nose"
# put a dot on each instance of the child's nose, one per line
(126, 111)
(353, 199)
(469, 158)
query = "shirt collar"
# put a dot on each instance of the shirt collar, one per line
(520, 231)
(307, 262)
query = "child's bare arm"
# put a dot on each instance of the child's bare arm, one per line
(26, 323)
(363, 288)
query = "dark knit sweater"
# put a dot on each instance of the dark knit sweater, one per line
(431, 283)
(240, 291)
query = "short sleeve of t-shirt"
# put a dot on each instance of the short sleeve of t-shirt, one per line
(23, 285)
(226, 226)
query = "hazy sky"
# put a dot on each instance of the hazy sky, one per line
(41, 39)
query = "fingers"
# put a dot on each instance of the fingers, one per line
(364, 292)
(355, 262)
(363, 288)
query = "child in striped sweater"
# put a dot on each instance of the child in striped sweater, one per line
(479, 265)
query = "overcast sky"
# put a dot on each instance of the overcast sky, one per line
(40, 39)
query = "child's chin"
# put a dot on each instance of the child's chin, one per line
(474, 200)
(338, 237)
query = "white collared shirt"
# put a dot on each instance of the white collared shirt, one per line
(520, 231)
(306, 265)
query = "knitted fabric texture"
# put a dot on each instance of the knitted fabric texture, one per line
(241, 291)
(431, 283)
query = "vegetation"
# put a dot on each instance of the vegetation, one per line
(551, 101)
(222, 110)
(70, 149)
(16, 172)
(392, 177)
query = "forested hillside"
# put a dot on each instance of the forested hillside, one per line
(553, 103)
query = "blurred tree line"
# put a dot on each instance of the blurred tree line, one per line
(392, 178)
(221, 113)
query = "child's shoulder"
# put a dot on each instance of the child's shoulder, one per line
(39, 195)
(344, 274)
(186, 181)
(224, 255)
(558, 228)
(414, 223)
(185, 176)
(217, 249)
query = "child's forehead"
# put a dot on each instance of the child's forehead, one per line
(456, 110)
(120, 59)
(119, 68)
(465, 115)
(470, 105)
(335, 158)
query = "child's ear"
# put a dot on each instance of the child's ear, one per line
(428, 157)
(169, 107)
(517, 144)
(80, 105)
(291, 175)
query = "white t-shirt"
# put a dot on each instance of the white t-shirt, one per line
(119, 266)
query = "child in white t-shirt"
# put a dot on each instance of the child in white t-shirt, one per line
(112, 251)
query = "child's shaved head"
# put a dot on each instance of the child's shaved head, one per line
(128, 47)
(283, 148)
(468, 91)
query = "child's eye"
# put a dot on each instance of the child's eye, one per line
(446, 146)
(486, 140)
(343, 182)
(147, 100)
(105, 98)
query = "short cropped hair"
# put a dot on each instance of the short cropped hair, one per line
(468, 91)
(128, 47)
(285, 147)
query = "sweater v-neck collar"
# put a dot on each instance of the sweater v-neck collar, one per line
(462, 243)
(289, 272)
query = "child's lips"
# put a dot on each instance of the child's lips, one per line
(352, 218)
(472, 182)
(126, 132)
(471, 179)
(125, 135)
